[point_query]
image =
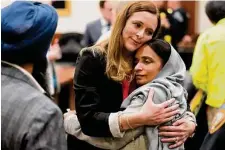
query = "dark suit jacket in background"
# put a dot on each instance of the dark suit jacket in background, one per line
(92, 33)
(215, 141)
(178, 25)
(29, 119)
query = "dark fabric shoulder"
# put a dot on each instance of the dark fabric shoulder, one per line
(94, 22)
(94, 52)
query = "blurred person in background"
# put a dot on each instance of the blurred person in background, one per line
(208, 66)
(163, 32)
(178, 22)
(96, 28)
(30, 119)
(116, 7)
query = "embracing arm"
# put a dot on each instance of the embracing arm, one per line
(140, 113)
(183, 127)
(135, 114)
(180, 130)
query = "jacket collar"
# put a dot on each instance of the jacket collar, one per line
(18, 72)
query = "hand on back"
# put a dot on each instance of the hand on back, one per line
(156, 114)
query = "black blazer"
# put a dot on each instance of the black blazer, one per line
(96, 96)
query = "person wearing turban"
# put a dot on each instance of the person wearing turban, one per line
(30, 119)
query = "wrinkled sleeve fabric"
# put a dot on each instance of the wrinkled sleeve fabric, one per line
(134, 106)
(208, 69)
(216, 68)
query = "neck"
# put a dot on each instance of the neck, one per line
(28, 67)
(128, 57)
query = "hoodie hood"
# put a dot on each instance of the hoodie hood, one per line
(174, 69)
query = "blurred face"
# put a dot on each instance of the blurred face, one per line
(147, 65)
(107, 11)
(139, 29)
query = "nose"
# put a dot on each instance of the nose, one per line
(138, 67)
(140, 33)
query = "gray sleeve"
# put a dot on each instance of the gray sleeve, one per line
(133, 106)
(120, 139)
(72, 127)
(191, 116)
(135, 103)
(46, 130)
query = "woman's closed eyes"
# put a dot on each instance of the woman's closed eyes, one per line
(144, 60)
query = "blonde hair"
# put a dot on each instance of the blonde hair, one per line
(119, 67)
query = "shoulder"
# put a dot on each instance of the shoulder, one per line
(93, 52)
(46, 109)
(90, 59)
(25, 96)
(27, 103)
(93, 23)
(212, 35)
(24, 108)
(43, 111)
(160, 92)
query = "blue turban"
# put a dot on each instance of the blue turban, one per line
(27, 29)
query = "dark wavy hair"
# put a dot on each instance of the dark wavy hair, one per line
(215, 10)
(161, 48)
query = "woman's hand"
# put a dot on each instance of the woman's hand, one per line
(155, 114)
(178, 132)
